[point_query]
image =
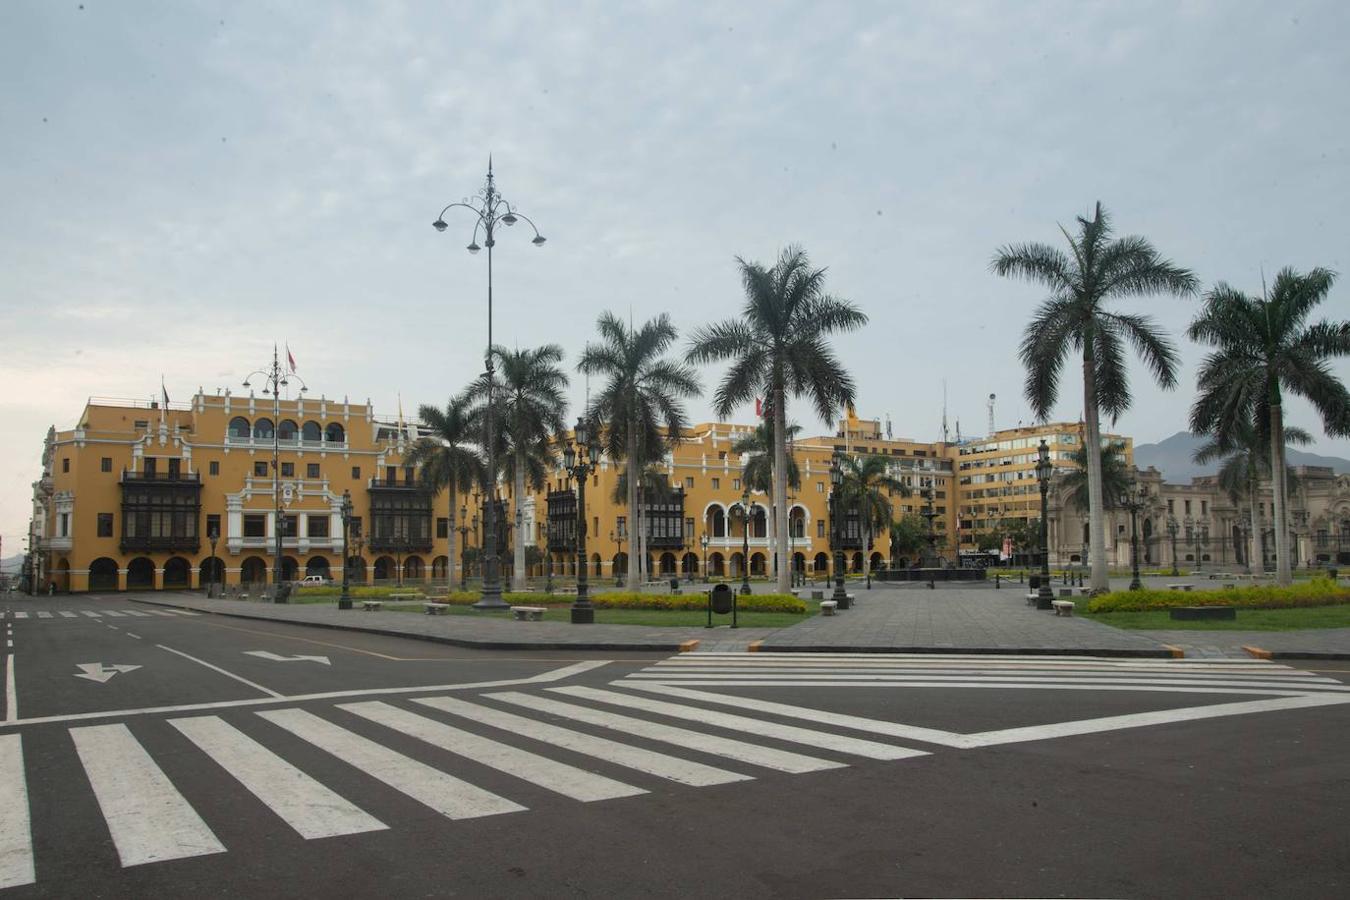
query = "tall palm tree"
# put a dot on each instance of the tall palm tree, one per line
(1244, 457)
(447, 458)
(1264, 348)
(1075, 318)
(868, 486)
(1116, 476)
(778, 349)
(640, 404)
(531, 409)
(758, 469)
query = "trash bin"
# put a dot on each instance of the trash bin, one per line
(1034, 582)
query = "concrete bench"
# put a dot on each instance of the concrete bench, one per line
(828, 607)
(532, 613)
(372, 604)
(1033, 598)
(1062, 607)
(434, 608)
(1180, 587)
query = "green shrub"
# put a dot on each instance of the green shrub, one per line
(1314, 592)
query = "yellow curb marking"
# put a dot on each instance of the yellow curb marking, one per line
(1257, 652)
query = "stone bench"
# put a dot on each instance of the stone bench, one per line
(1062, 607)
(1180, 587)
(828, 607)
(1033, 598)
(433, 608)
(531, 613)
(369, 605)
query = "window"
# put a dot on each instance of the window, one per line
(65, 464)
(260, 469)
(148, 467)
(689, 528)
(334, 434)
(105, 524)
(442, 527)
(596, 525)
(820, 487)
(735, 484)
(356, 473)
(175, 468)
(212, 525)
(262, 429)
(311, 432)
(214, 467)
(391, 474)
(105, 464)
(311, 470)
(317, 526)
(255, 525)
(621, 527)
(717, 484)
(354, 528)
(1204, 507)
(287, 430)
(689, 481)
(1171, 510)
(1188, 507)
(820, 528)
(721, 454)
(239, 428)
(287, 470)
(290, 526)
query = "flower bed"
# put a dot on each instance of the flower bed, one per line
(1317, 591)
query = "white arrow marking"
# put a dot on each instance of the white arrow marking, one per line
(99, 672)
(268, 654)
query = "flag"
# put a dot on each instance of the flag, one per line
(290, 360)
(759, 408)
(163, 390)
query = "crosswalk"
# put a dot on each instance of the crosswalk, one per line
(64, 614)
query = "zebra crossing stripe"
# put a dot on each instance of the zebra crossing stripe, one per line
(44, 615)
(134, 612)
(547, 773)
(160, 612)
(67, 615)
(148, 819)
(20, 615)
(311, 809)
(854, 746)
(16, 833)
(91, 614)
(671, 768)
(960, 680)
(446, 794)
(113, 614)
(768, 757)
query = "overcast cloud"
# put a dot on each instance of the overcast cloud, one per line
(183, 183)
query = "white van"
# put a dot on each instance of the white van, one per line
(313, 581)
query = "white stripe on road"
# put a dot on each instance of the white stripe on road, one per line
(768, 757)
(148, 819)
(658, 764)
(968, 657)
(113, 614)
(21, 615)
(239, 678)
(960, 685)
(160, 612)
(976, 668)
(134, 612)
(547, 773)
(44, 615)
(91, 614)
(444, 793)
(854, 746)
(16, 831)
(182, 612)
(303, 803)
(1301, 684)
(11, 691)
(67, 615)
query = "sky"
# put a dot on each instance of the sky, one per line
(185, 183)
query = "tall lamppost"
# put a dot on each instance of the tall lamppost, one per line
(1247, 540)
(745, 540)
(1133, 498)
(359, 543)
(463, 529)
(274, 379)
(1192, 536)
(705, 557)
(1202, 540)
(213, 535)
(840, 595)
(1045, 596)
(580, 461)
(1172, 529)
(345, 601)
(617, 536)
(489, 210)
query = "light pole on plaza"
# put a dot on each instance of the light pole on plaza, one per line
(490, 210)
(705, 556)
(1133, 499)
(274, 379)
(840, 595)
(1045, 596)
(1172, 529)
(345, 601)
(579, 461)
(463, 529)
(213, 536)
(745, 534)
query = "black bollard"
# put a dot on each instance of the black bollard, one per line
(930, 584)
(997, 581)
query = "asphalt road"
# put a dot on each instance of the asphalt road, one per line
(250, 759)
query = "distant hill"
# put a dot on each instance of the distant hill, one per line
(1172, 457)
(10, 565)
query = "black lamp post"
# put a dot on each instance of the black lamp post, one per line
(490, 210)
(1133, 499)
(745, 540)
(840, 595)
(617, 537)
(345, 601)
(359, 544)
(274, 379)
(580, 461)
(1202, 537)
(705, 557)
(548, 561)
(1247, 540)
(1045, 595)
(212, 586)
(1172, 528)
(463, 529)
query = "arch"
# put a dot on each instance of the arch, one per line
(288, 430)
(240, 428)
(1075, 558)
(384, 568)
(717, 566)
(620, 564)
(875, 562)
(356, 570)
(757, 564)
(335, 433)
(103, 574)
(737, 564)
(689, 564)
(212, 571)
(759, 521)
(797, 522)
(262, 429)
(440, 567)
(856, 564)
(61, 575)
(311, 431)
(318, 565)
(667, 564)
(140, 574)
(290, 568)
(715, 519)
(821, 563)
(253, 571)
(177, 573)
(596, 565)
(413, 568)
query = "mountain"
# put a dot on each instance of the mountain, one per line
(1172, 457)
(11, 564)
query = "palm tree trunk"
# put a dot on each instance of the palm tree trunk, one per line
(518, 489)
(1096, 510)
(632, 504)
(1254, 539)
(450, 554)
(780, 468)
(1283, 576)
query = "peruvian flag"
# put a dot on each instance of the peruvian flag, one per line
(290, 360)
(759, 408)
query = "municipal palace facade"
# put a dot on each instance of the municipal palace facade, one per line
(147, 496)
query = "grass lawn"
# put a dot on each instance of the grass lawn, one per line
(670, 618)
(1247, 619)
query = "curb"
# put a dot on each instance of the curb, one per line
(1143, 652)
(1260, 653)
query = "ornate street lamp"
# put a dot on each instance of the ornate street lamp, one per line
(1172, 528)
(345, 601)
(840, 596)
(1247, 540)
(1045, 595)
(212, 587)
(1133, 498)
(705, 557)
(617, 537)
(359, 544)
(489, 210)
(463, 529)
(274, 379)
(745, 539)
(580, 461)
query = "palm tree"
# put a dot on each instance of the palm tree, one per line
(758, 470)
(778, 349)
(1116, 476)
(1075, 318)
(1264, 348)
(531, 407)
(447, 457)
(867, 486)
(640, 404)
(1244, 458)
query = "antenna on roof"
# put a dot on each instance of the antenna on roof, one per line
(991, 415)
(944, 410)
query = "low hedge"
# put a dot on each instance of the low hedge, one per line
(1318, 591)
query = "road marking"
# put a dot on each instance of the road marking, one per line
(854, 746)
(148, 819)
(101, 673)
(181, 612)
(658, 764)
(446, 794)
(134, 612)
(547, 773)
(309, 807)
(66, 615)
(44, 615)
(160, 612)
(1310, 684)
(769, 758)
(113, 614)
(542, 678)
(276, 657)
(16, 828)
(961, 685)
(91, 614)
(9, 644)
(21, 615)
(239, 678)
(11, 692)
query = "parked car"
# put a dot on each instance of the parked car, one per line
(313, 581)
